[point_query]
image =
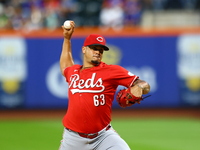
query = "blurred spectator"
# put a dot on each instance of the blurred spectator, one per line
(112, 14)
(36, 14)
(16, 17)
(68, 9)
(133, 12)
(51, 13)
(4, 19)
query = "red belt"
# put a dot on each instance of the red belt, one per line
(90, 136)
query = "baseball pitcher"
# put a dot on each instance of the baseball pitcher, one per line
(92, 86)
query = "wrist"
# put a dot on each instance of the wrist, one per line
(67, 39)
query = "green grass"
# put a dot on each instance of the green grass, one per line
(160, 134)
(140, 134)
(30, 135)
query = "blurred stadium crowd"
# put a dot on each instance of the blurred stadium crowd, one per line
(37, 14)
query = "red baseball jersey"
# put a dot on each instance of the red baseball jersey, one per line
(91, 93)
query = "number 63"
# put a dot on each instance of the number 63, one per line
(99, 100)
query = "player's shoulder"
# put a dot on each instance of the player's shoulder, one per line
(71, 68)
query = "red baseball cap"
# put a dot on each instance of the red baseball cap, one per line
(96, 39)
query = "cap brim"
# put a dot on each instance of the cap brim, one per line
(105, 47)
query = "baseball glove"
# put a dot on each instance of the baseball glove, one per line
(125, 98)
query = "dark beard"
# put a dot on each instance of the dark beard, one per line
(96, 63)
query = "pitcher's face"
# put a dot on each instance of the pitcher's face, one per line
(93, 54)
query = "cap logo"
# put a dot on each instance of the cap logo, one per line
(100, 39)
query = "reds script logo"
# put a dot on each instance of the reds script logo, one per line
(81, 86)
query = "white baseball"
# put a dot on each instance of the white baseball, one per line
(67, 24)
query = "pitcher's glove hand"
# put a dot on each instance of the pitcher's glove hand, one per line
(125, 98)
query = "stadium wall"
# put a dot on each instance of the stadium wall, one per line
(169, 59)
